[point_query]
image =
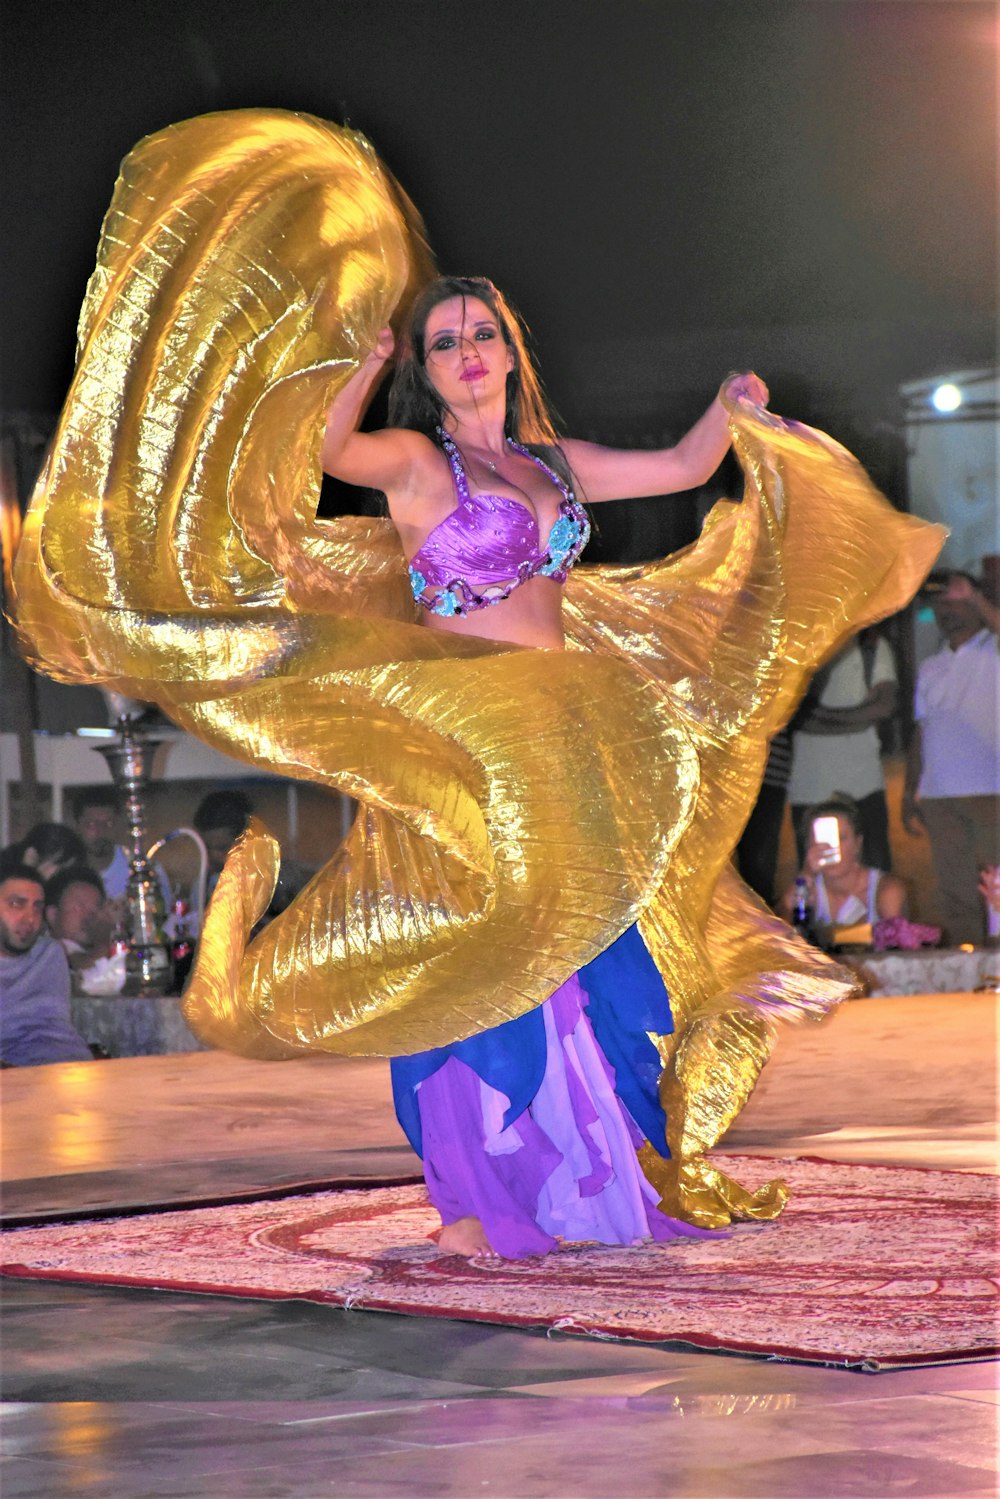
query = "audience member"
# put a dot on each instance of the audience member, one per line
(48, 848)
(97, 813)
(989, 889)
(35, 1024)
(78, 917)
(843, 889)
(836, 744)
(953, 765)
(220, 818)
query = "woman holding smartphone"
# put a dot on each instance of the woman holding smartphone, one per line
(843, 889)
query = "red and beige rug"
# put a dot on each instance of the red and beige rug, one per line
(869, 1266)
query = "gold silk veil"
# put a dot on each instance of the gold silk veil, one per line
(517, 809)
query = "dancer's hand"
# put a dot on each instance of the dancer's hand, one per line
(384, 345)
(748, 387)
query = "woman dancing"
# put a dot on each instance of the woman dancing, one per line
(485, 500)
(523, 810)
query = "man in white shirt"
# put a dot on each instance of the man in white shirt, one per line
(953, 767)
(836, 744)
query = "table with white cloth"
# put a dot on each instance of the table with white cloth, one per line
(133, 1026)
(931, 970)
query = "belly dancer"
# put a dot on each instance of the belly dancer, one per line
(541, 851)
(524, 1131)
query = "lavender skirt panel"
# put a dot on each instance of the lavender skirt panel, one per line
(564, 1168)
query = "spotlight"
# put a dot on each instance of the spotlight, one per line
(946, 398)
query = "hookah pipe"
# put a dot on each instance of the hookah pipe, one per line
(148, 967)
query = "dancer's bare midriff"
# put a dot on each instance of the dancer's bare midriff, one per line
(531, 616)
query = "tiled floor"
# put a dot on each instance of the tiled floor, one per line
(180, 1395)
(135, 1394)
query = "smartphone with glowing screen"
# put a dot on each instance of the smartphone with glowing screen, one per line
(827, 830)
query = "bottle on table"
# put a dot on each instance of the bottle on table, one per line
(120, 933)
(181, 944)
(803, 916)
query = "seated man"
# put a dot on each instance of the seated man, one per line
(35, 1025)
(78, 915)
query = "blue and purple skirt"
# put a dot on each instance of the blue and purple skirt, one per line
(533, 1126)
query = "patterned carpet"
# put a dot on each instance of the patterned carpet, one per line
(869, 1266)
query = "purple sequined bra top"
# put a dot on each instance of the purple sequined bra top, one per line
(489, 544)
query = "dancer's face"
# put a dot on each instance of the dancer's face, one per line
(466, 358)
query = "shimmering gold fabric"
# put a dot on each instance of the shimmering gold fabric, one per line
(518, 809)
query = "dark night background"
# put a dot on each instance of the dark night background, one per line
(668, 189)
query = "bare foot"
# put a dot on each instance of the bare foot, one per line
(466, 1236)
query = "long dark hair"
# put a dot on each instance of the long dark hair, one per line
(415, 404)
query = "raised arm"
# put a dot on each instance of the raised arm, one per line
(619, 474)
(373, 460)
